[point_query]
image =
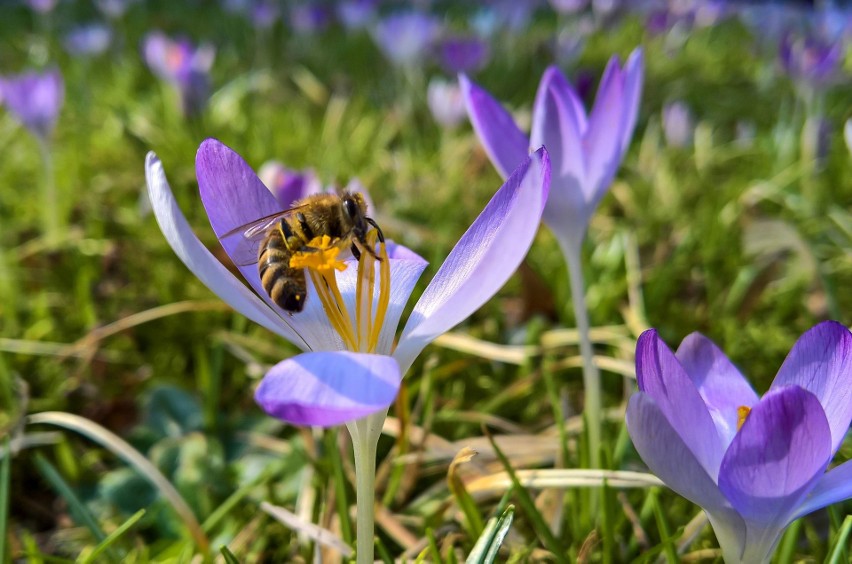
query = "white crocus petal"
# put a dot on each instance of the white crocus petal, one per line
(201, 262)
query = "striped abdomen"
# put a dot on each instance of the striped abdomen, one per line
(286, 286)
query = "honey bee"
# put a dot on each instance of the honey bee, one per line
(271, 241)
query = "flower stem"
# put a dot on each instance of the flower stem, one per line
(591, 377)
(365, 438)
(50, 208)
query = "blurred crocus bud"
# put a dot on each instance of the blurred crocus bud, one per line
(810, 59)
(264, 14)
(34, 98)
(310, 18)
(463, 54)
(568, 6)
(88, 40)
(406, 37)
(678, 125)
(42, 6)
(816, 139)
(446, 102)
(356, 14)
(288, 185)
(114, 9)
(182, 65)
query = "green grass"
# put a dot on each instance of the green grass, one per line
(749, 244)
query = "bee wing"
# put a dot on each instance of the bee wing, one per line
(243, 242)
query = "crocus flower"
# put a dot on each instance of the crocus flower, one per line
(586, 149)
(754, 464)
(462, 54)
(288, 185)
(351, 365)
(264, 14)
(34, 98)
(181, 64)
(356, 14)
(310, 18)
(810, 59)
(678, 126)
(405, 38)
(88, 40)
(446, 102)
(42, 6)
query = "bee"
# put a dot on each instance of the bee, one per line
(271, 241)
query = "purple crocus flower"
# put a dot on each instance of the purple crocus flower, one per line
(34, 98)
(181, 64)
(288, 185)
(678, 126)
(406, 38)
(264, 14)
(347, 370)
(446, 102)
(310, 18)
(42, 6)
(810, 59)
(754, 464)
(463, 54)
(586, 149)
(356, 14)
(88, 40)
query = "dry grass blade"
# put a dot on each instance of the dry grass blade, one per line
(496, 484)
(126, 452)
(510, 354)
(307, 529)
(96, 335)
(45, 348)
(395, 529)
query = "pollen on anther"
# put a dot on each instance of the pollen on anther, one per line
(321, 255)
(742, 415)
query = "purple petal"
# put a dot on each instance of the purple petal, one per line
(821, 362)
(604, 133)
(661, 376)
(634, 73)
(668, 456)
(199, 260)
(720, 384)
(483, 259)
(505, 144)
(329, 388)
(834, 486)
(776, 457)
(35, 99)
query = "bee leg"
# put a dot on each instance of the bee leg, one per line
(355, 252)
(372, 222)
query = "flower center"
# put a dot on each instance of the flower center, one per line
(742, 415)
(360, 334)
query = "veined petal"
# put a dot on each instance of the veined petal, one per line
(668, 456)
(505, 144)
(555, 127)
(661, 376)
(721, 385)
(604, 133)
(821, 362)
(329, 388)
(483, 259)
(634, 75)
(231, 192)
(832, 487)
(199, 260)
(776, 457)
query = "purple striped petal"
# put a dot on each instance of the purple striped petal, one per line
(666, 454)
(821, 362)
(329, 388)
(199, 260)
(832, 487)
(662, 377)
(776, 457)
(634, 73)
(505, 144)
(604, 134)
(483, 259)
(722, 387)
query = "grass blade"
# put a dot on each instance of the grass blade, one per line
(5, 465)
(840, 552)
(488, 545)
(113, 536)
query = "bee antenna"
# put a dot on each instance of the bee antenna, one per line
(372, 222)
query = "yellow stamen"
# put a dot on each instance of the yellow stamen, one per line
(742, 415)
(321, 261)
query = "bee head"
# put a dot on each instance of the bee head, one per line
(355, 207)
